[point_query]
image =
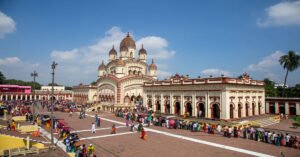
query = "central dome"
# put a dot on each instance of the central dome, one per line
(126, 43)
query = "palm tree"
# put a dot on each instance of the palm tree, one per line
(290, 62)
(2, 78)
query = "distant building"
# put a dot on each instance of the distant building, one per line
(276, 85)
(16, 92)
(56, 88)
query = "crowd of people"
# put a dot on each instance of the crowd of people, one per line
(277, 138)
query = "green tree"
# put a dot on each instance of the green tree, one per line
(2, 78)
(290, 62)
(270, 89)
(94, 83)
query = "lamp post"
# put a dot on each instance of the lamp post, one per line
(53, 66)
(34, 74)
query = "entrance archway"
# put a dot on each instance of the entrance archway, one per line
(201, 108)
(272, 108)
(149, 104)
(189, 109)
(239, 110)
(215, 111)
(177, 108)
(253, 109)
(282, 108)
(231, 111)
(167, 107)
(247, 110)
(292, 108)
(157, 106)
(259, 106)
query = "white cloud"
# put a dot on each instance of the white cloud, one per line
(65, 55)
(10, 61)
(157, 46)
(269, 67)
(216, 72)
(267, 63)
(281, 14)
(7, 25)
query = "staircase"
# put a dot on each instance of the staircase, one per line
(267, 121)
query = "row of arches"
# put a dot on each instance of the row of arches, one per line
(215, 111)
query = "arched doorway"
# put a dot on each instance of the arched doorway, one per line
(133, 99)
(231, 111)
(201, 108)
(259, 106)
(189, 109)
(215, 111)
(167, 108)
(239, 110)
(158, 106)
(177, 108)
(292, 108)
(272, 108)
(247, 110)
(253, 109)
(149, 104)
(282, 108)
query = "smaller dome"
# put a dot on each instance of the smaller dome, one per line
(113, 51)
(142, 50)
(102, 66)
(152, 66)
(120, 62)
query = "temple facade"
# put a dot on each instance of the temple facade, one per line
(120, 81)
(218, 98)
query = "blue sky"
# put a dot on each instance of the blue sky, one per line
(199, 38)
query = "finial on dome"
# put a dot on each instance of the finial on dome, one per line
(142, 46)
(128, 35)
(152, 61)
(113, 46)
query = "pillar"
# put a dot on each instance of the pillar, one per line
(182, 108)
(287, 107)
(297, 108)
(267, 107)
(162, 104)
(276, 107)
(194, 105)
(171, 103)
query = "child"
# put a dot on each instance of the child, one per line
(113, 129)
(143, 134)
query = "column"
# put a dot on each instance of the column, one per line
(267, 107)
(153, 102)
(182, 108)
(287, 107)
(207, 106)
(297, 108)
(194, 105)
(171, 103)
(276, 107)
(1, 97)
(162, 104)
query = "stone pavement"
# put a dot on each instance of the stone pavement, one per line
(164, 142)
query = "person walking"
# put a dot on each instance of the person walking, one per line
(132, 127)
(113, 129)
(99, 122)
(143, 136)
(93, 128)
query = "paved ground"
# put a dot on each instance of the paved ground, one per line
(164, 142)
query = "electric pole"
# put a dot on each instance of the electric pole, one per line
(53, 66)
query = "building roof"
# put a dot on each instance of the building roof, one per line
(113, 51)
(142, 50)
(120, 62)
(102, 66)
(126, 43)
(152, 66)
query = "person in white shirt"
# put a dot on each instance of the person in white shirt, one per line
(93, 128)
(167, 123)
(229, 132)
(287, 139)
(219, 129)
